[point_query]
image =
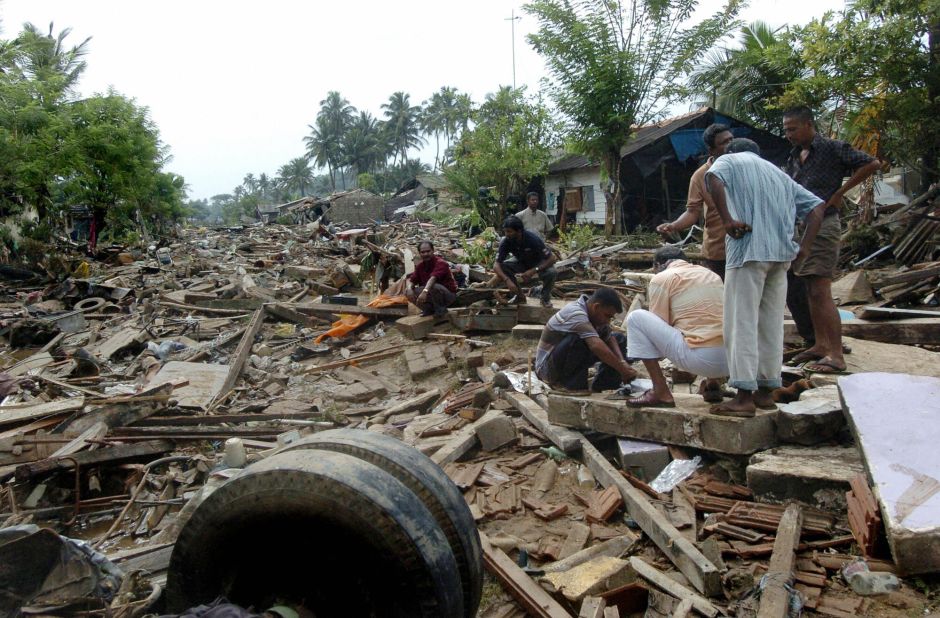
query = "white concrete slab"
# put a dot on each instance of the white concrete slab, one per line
(205, 382)
(896, 421)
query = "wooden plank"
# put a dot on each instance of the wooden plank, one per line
(700, 572)
(522, 587)
(31, 411)
(910, 275)
(671, 586)
(562, 437)
(893, 313)
(111, 454)
(242, 305)
(328, 310)
(361, 358)
(464, 440)
(242, 351)
(923, 331)
(421, 403)
(613, 548)
(775, 598)
(286, 313)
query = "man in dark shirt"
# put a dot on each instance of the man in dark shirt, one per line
(533, 259)
(432, 275)
(820, 165)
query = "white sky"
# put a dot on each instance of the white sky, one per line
(233, 84)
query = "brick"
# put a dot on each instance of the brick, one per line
(527, 331)
(417, 326)
(475, 359)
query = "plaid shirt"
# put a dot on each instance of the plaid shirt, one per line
(828, 163)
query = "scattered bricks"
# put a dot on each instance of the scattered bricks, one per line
(475, 359)
(604, 505)
(273, 389)
(496, 432)
(644, 460)
(425, 360)
(545, 511)
(527, 331)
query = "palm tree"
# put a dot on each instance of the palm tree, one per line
(264, 185)
(432, 121)
(250, 183)
(296, 174)
(324, 144)
(362, 148)
(45, 58)
(746, 81)
(402, 122)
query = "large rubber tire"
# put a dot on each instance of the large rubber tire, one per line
(324, 529)
(428, 482)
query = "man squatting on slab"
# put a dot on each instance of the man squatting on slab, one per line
(759, 205)
(683, 324)
(533, 259)
(577, 337)
(432, 275)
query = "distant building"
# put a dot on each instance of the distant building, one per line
(355, 207)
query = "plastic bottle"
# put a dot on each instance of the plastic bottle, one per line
(585, 478)
(867, 583)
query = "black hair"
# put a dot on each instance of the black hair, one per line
(712, 131)
(743, 144)
(426, 242)
(531, 194)
(513, 223)
(666, 254)
(606, 297)
(800, 112)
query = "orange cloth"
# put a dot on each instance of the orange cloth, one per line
(348, 322)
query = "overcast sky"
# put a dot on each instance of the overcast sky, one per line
(233, 84)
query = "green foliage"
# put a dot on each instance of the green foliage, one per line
(862, 240)
(6, 239)
(577, 237)
(617, 65)
(285, 220)
(481, 249)
(366, 181)
(37, 230)
(510, 143)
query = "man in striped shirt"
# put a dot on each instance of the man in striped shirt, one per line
(683, 324)
(759, 205)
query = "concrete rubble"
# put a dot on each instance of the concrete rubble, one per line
(124, 390)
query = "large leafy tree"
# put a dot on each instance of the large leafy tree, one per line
(510, 143)
(325, 141)
(616, 65)
(296, 175)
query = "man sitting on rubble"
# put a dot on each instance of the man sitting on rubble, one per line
(432, 275)
(683, 324)
(533, 259)
(577, 337)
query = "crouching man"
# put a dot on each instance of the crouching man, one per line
(683, 324)
(577, 337)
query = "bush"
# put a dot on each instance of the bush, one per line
(577, 237)
(482, 249)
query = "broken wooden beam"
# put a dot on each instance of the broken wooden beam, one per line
(562, 437)
(923, 331)
(520, 586)
(671, 586)
(242, 351)
(775, 597)
(328, 310)
(700, 572)
(284, 312)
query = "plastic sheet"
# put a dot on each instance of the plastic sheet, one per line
(677, 471)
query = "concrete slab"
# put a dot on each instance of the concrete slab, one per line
(644, 460)
(527, 331)
(688, 424)
(895, 421)
(873, 356)
(817, 417)
(817, 476)
(205, 382)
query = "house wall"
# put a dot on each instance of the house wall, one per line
(357, 209)
(593, 212)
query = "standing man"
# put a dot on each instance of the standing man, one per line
(759, 205)
(533, 259)
(699, 204)
(433, 277)
(820, 164)
(577, 337)
(534, 219)
(683, 324)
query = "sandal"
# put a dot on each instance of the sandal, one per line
(648, 400)
(825, 365)
(802, 357)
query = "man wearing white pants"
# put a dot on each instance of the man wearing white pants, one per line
(683, 324)
(759, 205)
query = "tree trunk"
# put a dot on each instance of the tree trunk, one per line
(613, 224)
(931, 161)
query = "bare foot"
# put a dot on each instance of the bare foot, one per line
(764, 399)
(741, 406)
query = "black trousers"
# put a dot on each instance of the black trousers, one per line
(569, 362)
(547, 277)
(798, 304)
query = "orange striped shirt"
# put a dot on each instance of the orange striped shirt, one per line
(690, 299)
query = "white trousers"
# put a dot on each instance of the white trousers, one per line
(649, 337)
(755, 295)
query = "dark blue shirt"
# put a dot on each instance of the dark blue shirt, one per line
(828, 163)
(530, 250)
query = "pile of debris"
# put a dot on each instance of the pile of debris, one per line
(135, 390)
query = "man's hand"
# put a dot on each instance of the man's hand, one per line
(737, 229)
(665, 229)
(801, 257)
(835, 202)
(423, 294)
(529, 274)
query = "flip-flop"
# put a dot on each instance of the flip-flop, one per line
(646, 400)
(801, 358)
(824, 366)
